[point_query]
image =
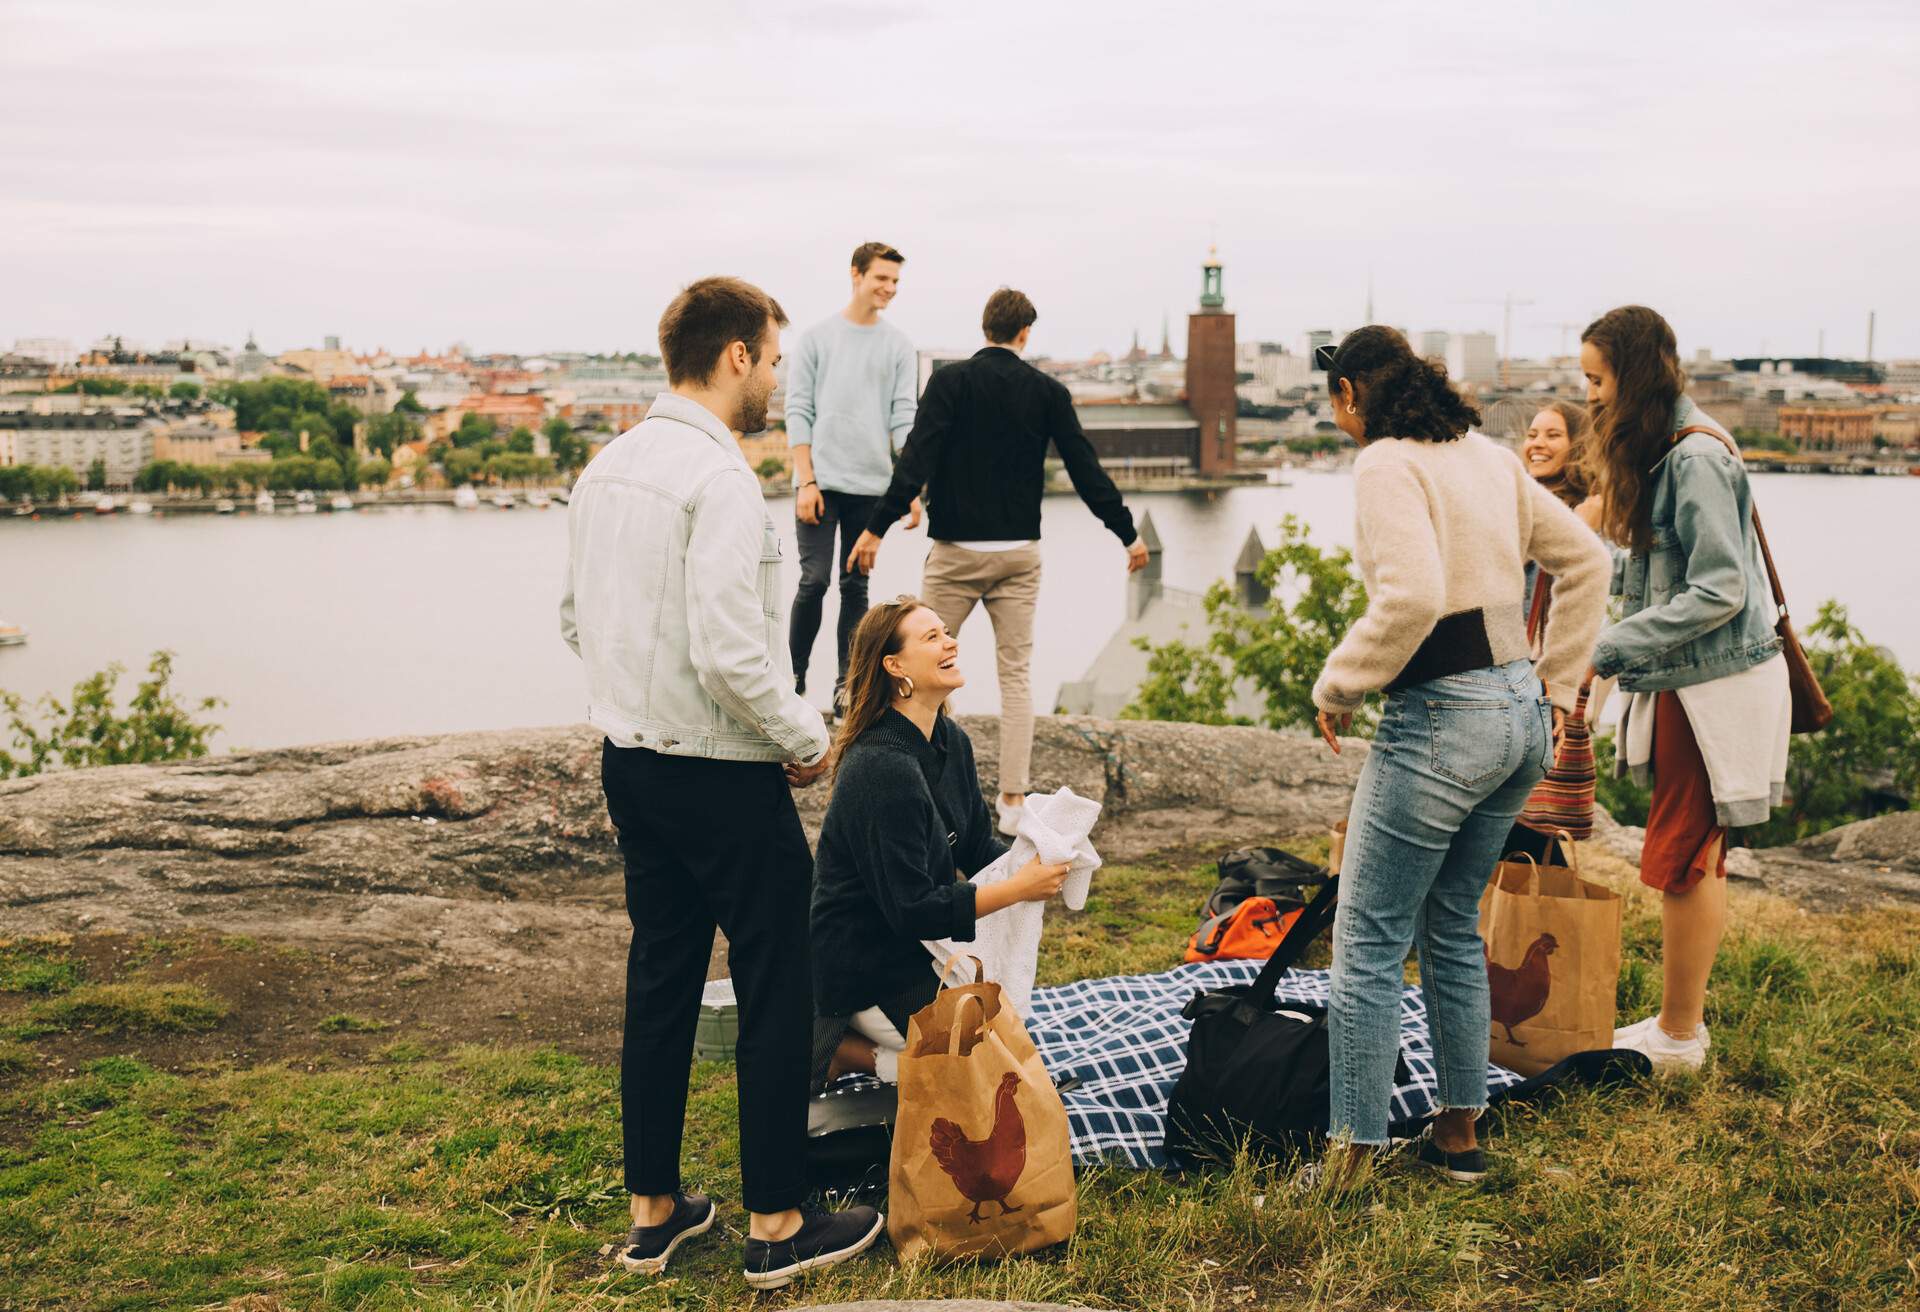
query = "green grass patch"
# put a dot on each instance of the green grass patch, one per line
(342, 1023)
(135, 1007)
(1785, 1175)
(15, 1058)
(24, 971)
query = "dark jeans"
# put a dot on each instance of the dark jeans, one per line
(848, 513)
(713, 843)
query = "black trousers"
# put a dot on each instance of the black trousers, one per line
(713, 843)
(899, 1009)
(844, 513)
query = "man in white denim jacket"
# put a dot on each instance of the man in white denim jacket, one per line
(673, 602)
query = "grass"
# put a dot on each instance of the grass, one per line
(149, 1008)
(342, 1023)
(1787, 1175)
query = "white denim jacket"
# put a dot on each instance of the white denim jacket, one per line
(673, 597)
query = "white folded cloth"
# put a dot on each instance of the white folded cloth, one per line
(1056, 827)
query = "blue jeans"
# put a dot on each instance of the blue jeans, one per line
(1451, 766)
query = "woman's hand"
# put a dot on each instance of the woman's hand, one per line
(1331, 726)
(1559, 729)
(1039, 881)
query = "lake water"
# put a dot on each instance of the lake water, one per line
(428, 619)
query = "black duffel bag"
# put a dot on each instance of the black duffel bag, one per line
(1256, 1069)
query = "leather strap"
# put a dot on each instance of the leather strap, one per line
(1766, 552)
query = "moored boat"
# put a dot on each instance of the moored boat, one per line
(11, 635)
(224, 506)
(340, 501)
(465, 498)
(303, 503)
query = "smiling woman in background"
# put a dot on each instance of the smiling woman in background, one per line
(1552, 454)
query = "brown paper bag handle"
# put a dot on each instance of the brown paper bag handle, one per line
(953, 1035)
(979, 968)
(1566, 845)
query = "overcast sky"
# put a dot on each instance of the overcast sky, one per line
(529, 177)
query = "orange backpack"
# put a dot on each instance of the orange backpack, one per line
(1251, 929)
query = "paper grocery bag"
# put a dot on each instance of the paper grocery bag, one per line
(981, 1164)
(1553, 962)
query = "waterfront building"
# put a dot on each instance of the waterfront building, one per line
(1844, 429)
(1160, 614)
(23, 373)
(73, 438)
(1211, 374)
(507, 412)
(1899, 427)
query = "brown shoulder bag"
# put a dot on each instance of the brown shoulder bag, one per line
(1812, 712)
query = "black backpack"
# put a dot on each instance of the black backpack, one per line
(1256, 1069)
(1261, 872)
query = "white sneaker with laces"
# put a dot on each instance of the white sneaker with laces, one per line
(1626, 1034)
(1668, 1054)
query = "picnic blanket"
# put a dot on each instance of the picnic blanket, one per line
(1124, 1039)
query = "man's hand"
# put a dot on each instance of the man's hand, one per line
(809, 505)
(1331, 726)
(861, 558)
(1136, 557)
(800, 776)
(913, 514)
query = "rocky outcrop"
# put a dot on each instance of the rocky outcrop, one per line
(494, 848)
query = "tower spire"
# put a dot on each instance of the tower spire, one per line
(1166, 336)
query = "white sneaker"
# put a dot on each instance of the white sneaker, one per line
(1009, 817)
(1668, 1054)
(1625, 1035)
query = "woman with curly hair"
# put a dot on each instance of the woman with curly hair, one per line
(1446, 522)
(1709, 708)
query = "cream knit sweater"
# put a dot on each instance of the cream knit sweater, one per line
(1445, 530)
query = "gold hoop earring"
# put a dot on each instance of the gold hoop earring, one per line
(908, 680)
(1350, 409)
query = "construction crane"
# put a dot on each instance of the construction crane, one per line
(1564, 329)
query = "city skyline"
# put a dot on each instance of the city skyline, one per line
(1749, 170)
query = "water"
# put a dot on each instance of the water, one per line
(427, 619)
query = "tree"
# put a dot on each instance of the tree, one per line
(474, 429)
(328, 476)
(569, 450)
(97, 475)
(374, 472)
(388, 432)
(409, 404)
(184, 391)
(771, 467)
(252, 402)
(461, 465)
(88, 729)
(1316, 598)
(520, 441)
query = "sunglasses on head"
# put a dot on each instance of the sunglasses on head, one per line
(1323, 357)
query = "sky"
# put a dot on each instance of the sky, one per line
(532, 177)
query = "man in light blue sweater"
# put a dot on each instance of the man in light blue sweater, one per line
(850, 402)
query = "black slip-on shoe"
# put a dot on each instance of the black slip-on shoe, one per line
(649, 1246)
(821, 1241)
(1469, 1167)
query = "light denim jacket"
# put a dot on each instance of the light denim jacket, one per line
(1697, 605)
(673, 597)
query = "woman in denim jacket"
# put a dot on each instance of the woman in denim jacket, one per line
(1708, 708)
(1445, 522)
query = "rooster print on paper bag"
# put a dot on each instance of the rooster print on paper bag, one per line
(1516, 994)
(985, 1170)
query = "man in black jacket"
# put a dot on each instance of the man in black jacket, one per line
(979, 442)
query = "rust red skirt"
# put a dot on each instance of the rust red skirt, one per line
(1684, 841)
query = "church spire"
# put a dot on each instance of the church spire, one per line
(1166, 336)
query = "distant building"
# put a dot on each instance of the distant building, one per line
(1160, 615)
(24, 373)
(252, 362)
(1843, 429)
(320, 365)
(1474, 358)
(1315, 339)
(507, 412)
(73, 438)
(1433, 346)
(1211, 374)
(1142, 441)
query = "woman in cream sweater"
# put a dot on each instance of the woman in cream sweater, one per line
(1446, 524)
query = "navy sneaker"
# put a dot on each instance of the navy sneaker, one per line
(821, 1241)
(649, 1246)
(1469, 1167)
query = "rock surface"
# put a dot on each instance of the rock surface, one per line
(494, 850)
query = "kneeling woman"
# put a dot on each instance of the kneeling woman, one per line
(906, 827)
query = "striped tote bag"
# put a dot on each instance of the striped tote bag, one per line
(1564, 799)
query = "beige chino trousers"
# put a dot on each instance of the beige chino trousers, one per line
(953, 580)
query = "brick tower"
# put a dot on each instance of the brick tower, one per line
(1210, 373)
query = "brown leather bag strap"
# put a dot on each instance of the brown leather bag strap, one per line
(1542, 584)
(1766, 552)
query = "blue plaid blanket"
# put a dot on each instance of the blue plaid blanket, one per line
(1126, 1041)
